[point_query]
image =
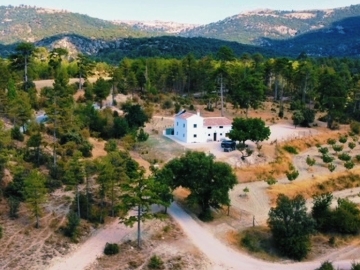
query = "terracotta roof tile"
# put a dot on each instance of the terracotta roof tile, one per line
(217, 121)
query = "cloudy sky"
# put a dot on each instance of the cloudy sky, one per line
(185, 11)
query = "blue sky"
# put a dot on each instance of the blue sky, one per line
(185, 11)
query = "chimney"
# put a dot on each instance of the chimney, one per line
(198, 112)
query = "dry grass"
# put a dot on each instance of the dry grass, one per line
(281, 159)
(320, 184)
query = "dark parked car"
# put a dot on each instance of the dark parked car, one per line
(228, 145)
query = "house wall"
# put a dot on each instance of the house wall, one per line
(195, 130)
(220, 132)
(180, 131)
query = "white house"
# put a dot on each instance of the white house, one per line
(192, 128)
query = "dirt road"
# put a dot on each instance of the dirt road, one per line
(225, 258)
(87, 253)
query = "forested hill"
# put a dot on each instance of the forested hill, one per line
(334, 32)
(25, 23)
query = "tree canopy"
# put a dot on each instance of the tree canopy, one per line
(291, 227)
(209, 181)
(252, 129)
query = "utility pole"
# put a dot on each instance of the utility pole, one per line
(222, 95)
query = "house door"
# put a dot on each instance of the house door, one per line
(215, 137)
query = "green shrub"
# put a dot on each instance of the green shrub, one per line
(327, 159)
(331, 141)
(324, 150)
(337, 147)
(331, 167)
(344, 156)
(271, 181)
(326, 266)
(355, 127)
(167, 104)
(357, 158)
(290, 149)
(156, 263)
(349, 165)
(111, 249)
(206, 216)
(251, 242)
(16, 134)
(142, 136)
(352, 145)
(292, 175)
(355, 266)
(14, 204)
(71, 229)
(343, 139)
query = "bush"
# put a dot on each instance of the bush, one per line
(292, 175)
(251, 242)
(71, 229)
(16, 134)
(290, 149)
(14, 205)
(327, 159)
(331, 141)
(331, 167)
(357, 158)
(206, 216)
(167, 104)
(111, 145)
(343, 139)
(346, 217)
(355, 266)
(326, 266)
(344, 156)
(155, 263)
(323, 150)
(338, 147)
(142, 136)
(352, 145)
(355, 127)
(111, 249)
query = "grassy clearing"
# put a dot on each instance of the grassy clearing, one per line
(321, 184)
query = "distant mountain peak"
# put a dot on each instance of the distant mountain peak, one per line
(157, 25)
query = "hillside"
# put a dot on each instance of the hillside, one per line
(255, 26)
(25, 23)
(331, 32)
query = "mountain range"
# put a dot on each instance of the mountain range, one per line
(329, 32)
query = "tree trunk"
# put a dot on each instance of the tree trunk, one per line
(25, 75)
(78, 200)
(138, 233)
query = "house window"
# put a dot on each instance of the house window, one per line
(177, 123)
(195, 125)
(220, 134)
(221, 127)
(177, 133)
(195, 135)
(183, 135)
(209, 127)
(183, 125)
(208, 135)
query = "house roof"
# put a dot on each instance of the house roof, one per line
(185, 115)
(217, 121)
